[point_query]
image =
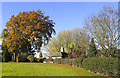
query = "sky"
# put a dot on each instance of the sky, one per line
(59, 0)
(66, 15)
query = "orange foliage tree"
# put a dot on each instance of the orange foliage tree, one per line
(26, 30)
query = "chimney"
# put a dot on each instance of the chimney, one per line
(62, 49)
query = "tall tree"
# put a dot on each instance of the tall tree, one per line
(63, 39)
(80, 39)
(26, 30)
(53, 46)
(74, 41)
(103, 27)
(92, 49)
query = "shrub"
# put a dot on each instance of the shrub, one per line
(31, 58)
(103, 65)
(58, 61)
(64, 61)
(68, 61)
(48, 60)
(78, 61)
(23, 57)
(40, 60)
(35, 59)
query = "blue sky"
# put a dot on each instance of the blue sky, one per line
(66, 15)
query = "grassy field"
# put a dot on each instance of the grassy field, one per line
(40, 69)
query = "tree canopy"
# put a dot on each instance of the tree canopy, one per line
(75, 39)
(104, 29)
(26, 30)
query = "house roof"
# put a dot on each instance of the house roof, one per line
(57, 54)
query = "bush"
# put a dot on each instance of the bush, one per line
(103, 65)
(40, 60)
(78, 61)
(64, 61)
(48, 60)
(23, 57)
(58, 61)
(31, 58)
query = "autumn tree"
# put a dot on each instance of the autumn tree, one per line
(26, 31)
(103, 27)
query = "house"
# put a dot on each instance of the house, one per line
(59, 55)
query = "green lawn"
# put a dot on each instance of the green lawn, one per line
(40, 69)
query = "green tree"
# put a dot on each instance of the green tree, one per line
(74, 42)
(53, 46)
(5, 54)
(92, 49)
(63, 39)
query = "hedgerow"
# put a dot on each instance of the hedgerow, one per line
(103, 65)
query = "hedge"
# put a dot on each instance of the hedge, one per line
(23, 57)
(103, 65)
(64, 61)
(78, 61)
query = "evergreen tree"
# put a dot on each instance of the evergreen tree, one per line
(6, 54)
(92, 49)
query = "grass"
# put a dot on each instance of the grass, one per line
(41, 69)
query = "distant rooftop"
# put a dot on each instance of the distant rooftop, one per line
(57, 54)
